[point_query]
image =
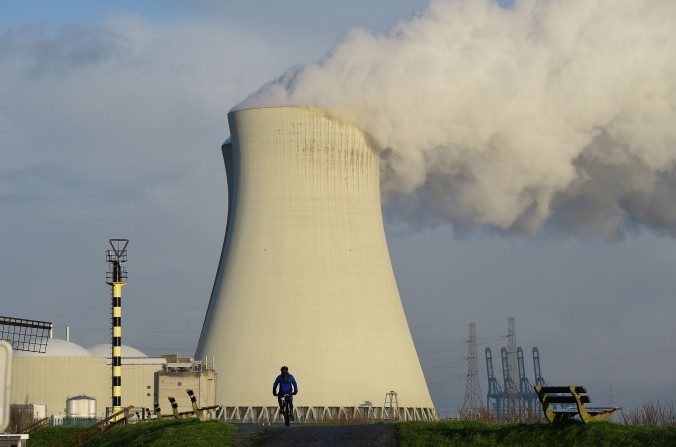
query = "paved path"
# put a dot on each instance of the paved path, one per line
(373, 435)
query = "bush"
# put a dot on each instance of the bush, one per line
(651, 413)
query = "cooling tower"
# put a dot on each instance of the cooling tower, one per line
(305, 278)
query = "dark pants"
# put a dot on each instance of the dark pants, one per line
(290, 398)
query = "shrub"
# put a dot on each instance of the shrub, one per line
(653, 413)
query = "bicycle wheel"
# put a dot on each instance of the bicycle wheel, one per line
(287, 416)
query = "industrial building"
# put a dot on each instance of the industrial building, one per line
(61, 379)
(181, 374)
(305, 278)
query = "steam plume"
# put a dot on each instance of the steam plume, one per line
(548, 112)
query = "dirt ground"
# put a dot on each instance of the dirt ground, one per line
(256, 435)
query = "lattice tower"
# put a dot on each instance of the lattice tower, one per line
(472, 405)
(512, 380)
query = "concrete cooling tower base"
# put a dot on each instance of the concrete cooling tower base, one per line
(305, 278)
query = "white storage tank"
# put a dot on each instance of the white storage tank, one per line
(81, 407)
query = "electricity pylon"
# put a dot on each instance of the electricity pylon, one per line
(472, 405)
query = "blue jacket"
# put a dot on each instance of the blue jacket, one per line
(287, 386)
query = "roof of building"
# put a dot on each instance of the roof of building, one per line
(58, 348)
(81, 397)
(103, 350)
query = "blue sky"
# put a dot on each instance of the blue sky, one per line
(54, 13)
(111, 118)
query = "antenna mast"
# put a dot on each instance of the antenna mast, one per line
(116, 278)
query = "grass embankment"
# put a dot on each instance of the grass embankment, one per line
(191, 432)
(490, 434)
(166, 433)
(51, 436)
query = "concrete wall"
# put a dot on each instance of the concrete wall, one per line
(305, 278)
(176, 385)
(138, 385)
(51, 380)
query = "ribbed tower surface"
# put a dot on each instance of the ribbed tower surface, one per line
(305, 278)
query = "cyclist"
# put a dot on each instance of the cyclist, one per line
(287, 385)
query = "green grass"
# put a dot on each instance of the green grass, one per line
(191, 432)
(169, 433)
(480, 434)
(50, 436)
(165, 433)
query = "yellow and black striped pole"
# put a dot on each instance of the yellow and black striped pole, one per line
(117, 279)
(117, 346)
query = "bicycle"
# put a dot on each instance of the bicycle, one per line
(286, 409)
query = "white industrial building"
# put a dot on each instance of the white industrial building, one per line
(67, 370)
(305, 278)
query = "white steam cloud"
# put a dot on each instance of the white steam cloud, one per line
(559, 112)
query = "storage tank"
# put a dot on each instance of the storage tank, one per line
(305, 278)
(81, 407)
